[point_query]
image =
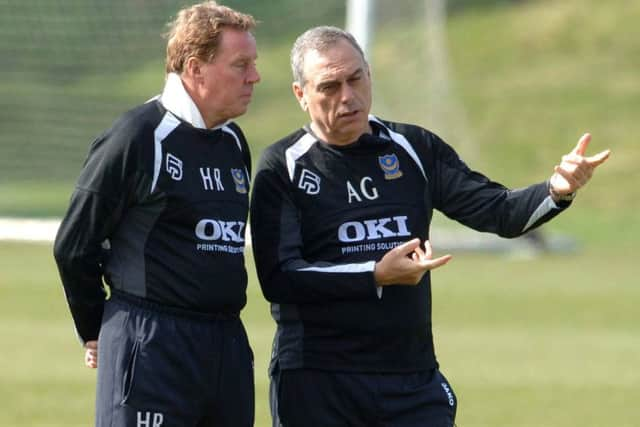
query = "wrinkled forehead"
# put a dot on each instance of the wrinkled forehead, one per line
(237, 43)
(335, 62)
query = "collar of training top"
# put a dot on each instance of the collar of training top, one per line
(379, 137)
(176, 99)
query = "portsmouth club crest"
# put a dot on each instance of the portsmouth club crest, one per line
(240, 180)
(390, 166)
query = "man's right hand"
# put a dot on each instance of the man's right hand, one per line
(406, 264)
(91, 354)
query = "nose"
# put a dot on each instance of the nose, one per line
(253, 76)
(346, 93)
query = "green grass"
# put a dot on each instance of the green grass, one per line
(41, 361)
(529, 78)
(545, 342)
(34, 198)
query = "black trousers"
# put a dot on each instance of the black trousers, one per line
(162, 367)
(308, 398)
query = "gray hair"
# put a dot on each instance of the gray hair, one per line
(319, 39)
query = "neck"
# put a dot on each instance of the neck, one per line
(337, 139)
(211, 123)
(210, 120)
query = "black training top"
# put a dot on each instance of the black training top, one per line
(159, 211)
(322, 215)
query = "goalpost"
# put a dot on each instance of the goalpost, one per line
(443, 104)
(444, 111)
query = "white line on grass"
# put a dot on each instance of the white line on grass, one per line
(33, 230)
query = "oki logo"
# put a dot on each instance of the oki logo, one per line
(373, 229)
(227, 231)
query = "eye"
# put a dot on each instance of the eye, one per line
(241, 65)
(328, 88)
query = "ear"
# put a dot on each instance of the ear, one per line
(192, 68)
(299, 93)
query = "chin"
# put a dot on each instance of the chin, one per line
(357, 123)
(238, 112)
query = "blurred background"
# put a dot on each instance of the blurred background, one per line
(530, 334)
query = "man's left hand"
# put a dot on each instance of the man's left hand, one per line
(576, 169)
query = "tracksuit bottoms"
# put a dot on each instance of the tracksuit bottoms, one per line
(165, 367)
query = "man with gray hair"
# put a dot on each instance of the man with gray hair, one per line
(340, 217)
(159, 215)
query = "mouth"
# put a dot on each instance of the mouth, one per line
(348, 114)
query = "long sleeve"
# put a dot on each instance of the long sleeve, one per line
(477, 202)
(95, 210)
(285, 275)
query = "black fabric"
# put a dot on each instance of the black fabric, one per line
(161, 369)
(246, 152)
(339, 399)
(170, 203)
(321, 217)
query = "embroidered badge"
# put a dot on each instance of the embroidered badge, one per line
(390, 166)
(240, 180)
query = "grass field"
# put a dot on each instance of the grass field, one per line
(544, 342)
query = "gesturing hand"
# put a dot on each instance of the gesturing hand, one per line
(406, 264)
(576, 169)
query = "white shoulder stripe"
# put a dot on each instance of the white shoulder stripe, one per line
(296, 151)
(168, 123)
(227, 129)
(343, 268)
(402, 141)
(545, 207)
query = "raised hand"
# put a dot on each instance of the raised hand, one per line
(575, 169)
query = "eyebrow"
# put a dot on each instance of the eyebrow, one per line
(324, 83)
(243, 55)
(246, 57)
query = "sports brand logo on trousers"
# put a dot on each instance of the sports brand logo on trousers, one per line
(174, 167)
(390, 165)
(149, 419)
(448, 392)
(309, 182)
(239, 180)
